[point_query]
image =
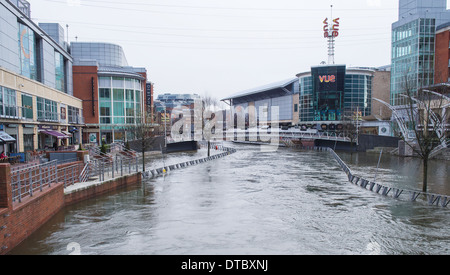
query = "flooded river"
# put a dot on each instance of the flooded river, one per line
(253, 202)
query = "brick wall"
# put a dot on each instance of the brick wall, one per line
(20, 220)
(442, 57)
(101, 189)
(82, 89)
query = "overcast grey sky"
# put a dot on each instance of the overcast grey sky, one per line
(223, 47)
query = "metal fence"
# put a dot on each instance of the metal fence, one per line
(384, 190)
(104, 168)
(70, 175)
(152, 173)
(25, 182)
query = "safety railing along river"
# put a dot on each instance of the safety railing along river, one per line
(385, 190)
(153, 173)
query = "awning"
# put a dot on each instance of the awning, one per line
(66, 133)
(58, 135)
(5, 138)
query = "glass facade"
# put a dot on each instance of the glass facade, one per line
(306, 104)
(105, 54)
(27, 52)
(119, 103)
(335, 102)
(328, 97)
(413, 58)
(358, 94)
(60, 72)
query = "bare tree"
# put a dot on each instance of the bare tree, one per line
(426, 128)
(209, 106)
(352, 122)
(145, 133)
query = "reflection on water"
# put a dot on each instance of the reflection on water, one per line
(252, 202)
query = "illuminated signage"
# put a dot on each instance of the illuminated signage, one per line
(327, 78)
(334, 31)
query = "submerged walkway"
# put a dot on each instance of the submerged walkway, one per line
(396, 193)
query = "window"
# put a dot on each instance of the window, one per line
(47, 110)
(28, 142)
(27, 106)
(118, 82)
(105, 93)
(60, 72)
(105, 120)
(130, 109)
(104, 82)
(27, 52)
(130, 95)
(8, 106)
(119, 109)
(118, 94)
(105, 111)
(74, 115)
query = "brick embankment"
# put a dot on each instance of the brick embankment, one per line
(18, 220)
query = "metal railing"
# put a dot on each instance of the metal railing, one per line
(213, 145)
(385, 190)
(25, 182)
(70, 174)
(118, 161)
(445, 145)
(84, 175)
(101, 169)
(267, 134)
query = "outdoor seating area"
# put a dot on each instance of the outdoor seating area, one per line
(11, 160)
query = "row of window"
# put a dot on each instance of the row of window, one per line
(47, 110)
(120, 100)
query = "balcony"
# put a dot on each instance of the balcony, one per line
(16, 112)
(44, 116)
(76, 120)
(25, 113)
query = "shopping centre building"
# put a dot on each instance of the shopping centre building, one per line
(113, 93)
(37, 106)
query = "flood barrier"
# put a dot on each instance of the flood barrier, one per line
(153, 173)
(387, 191)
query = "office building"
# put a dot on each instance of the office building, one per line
(413, 46)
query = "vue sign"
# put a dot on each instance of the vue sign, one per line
(334, 32)
(327, 78)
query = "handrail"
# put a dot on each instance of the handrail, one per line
(84, 173)
(431, 198)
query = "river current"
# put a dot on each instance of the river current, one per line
(257, 203)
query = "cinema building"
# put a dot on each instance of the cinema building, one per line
(331, 96)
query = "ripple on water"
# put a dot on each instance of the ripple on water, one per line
(251, 202)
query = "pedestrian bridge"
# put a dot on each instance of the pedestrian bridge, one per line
(258, 134)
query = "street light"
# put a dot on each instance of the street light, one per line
(165, 123)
